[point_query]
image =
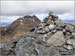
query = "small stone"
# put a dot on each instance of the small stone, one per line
(68, 33)
(40, 28)
(64, 30)
(1, 45)
(21, 20)
(69, 42)
(46, 29)
(44, 37)
(54, 31)
(21, 23)
(40, 31)
(26, 54)
(73, 33)
(61, 49)
(7, 40)
(40, 24)
(51, 26)
(69, 47)
(32, 55)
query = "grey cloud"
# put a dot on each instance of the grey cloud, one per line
(20, 8)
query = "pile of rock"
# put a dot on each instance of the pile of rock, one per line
(50, 38)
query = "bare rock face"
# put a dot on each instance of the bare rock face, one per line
(57, 39)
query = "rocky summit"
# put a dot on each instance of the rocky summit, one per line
(52, 37)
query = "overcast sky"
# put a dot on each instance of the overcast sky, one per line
(11, 10)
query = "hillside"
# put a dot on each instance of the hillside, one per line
(19, 27)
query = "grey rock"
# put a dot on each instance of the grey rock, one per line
(73, 42)
(32, 55)
(54, 31)
(46, 29)
(69, 47)
(64, 30)
(41, 31)
(49, 22)
(57, 39)
(69, 42)
(73, 33)
(59, 22)
(51, 26)
(1, 45)
(70, 28)
(25, 45)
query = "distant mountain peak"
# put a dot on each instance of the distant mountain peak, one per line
(20, 26)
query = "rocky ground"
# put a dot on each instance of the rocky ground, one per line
(50, 38)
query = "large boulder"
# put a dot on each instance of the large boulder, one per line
(25, 47)
(57, 39)
(29, 47)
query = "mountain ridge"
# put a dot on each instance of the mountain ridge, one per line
(20, 26)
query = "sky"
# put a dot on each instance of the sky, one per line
(11, 10)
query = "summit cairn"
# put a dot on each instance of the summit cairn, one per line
(50, 38)
(51, 17)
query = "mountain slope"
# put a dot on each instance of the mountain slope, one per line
(20, 26)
